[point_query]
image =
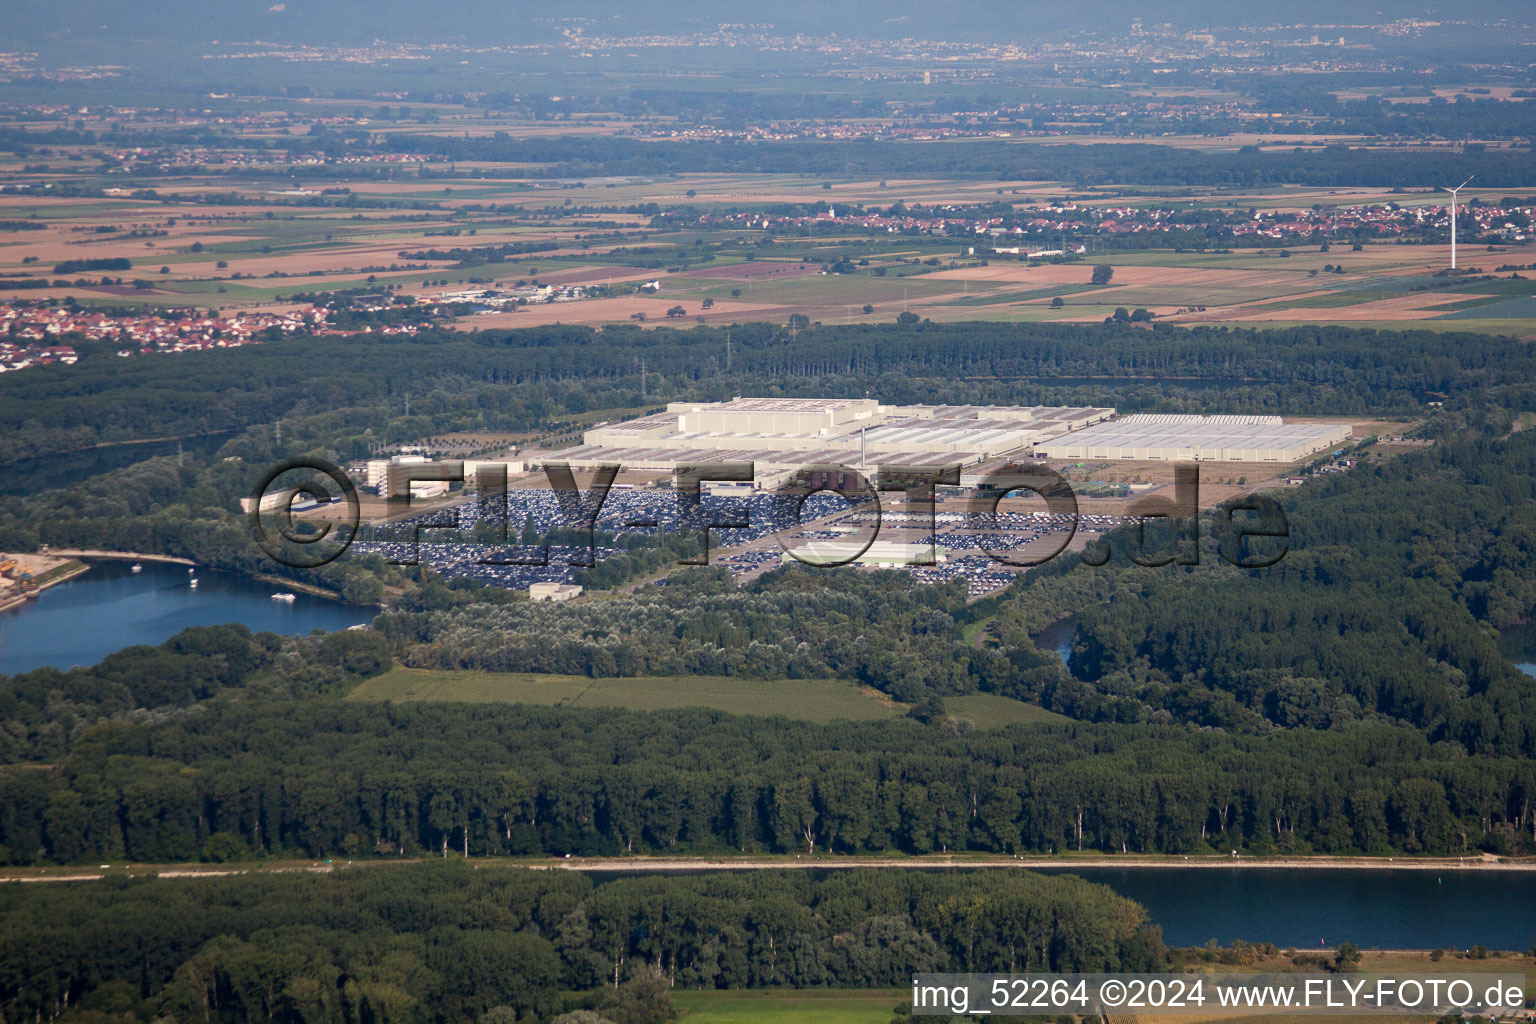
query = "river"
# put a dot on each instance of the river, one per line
(1371, 908)
(1297, 907)
(111, 607)
(1308, 907)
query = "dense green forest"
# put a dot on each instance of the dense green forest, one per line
(562, 156)
(221, 745)
(442, 942)
(543, 380)
(1386, 604)
(1350, 698)
(355, 388)
(381, 862)
(346, 780)
(1145, 164)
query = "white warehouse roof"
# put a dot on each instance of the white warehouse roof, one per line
(1198, 438)
(880, 552)
(848, 426)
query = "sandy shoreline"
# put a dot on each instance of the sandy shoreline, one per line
(119, 556)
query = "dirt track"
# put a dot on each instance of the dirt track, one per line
(661, 865)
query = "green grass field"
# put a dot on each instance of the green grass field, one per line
(843, 1006)
(829, 1006)
(1212, 295)
(1021, 296)
(811, 700)
(1441, 325)
(970, 631)
(1332, 300)
(809, 289)
(1477, 302)
(814, 700)
(989, 711)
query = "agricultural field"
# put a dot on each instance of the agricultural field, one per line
(246, 249)
(249, 241)
(834, 1006)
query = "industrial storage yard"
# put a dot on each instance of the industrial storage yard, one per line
(812, 443)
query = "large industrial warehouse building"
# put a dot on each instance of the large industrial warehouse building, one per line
(1188, 438)
(782, 435)
(788, 433)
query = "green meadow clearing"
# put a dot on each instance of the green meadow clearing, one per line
(815, 700)
(812, 700)
(990, 711)
(828, 1006)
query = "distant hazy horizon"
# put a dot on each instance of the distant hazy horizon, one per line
(108, 23)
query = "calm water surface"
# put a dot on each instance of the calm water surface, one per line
(80, 622)
(111, 607)
(1306, 907)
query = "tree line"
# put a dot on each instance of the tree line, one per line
(519, 379)
(323, 778)
(443, 943)
(1398, 572)
(1110, 163)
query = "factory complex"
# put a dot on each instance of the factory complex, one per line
(781, 435)
(784, 434)
(1191, 438)
(799, 447)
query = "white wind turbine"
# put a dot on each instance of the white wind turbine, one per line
(1453, 192)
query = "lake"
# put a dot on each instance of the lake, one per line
(111, 607)
(1307, 907)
